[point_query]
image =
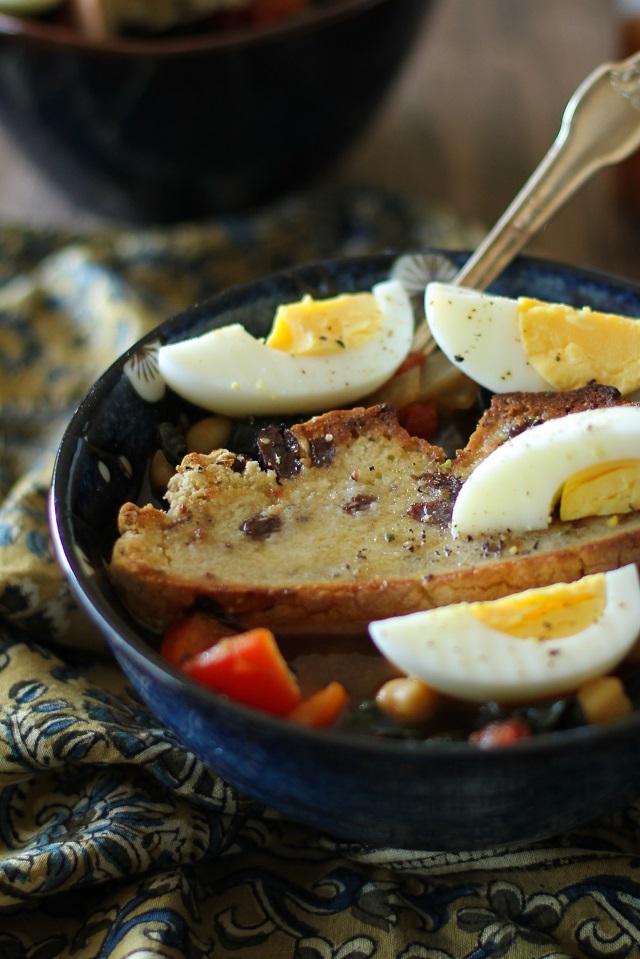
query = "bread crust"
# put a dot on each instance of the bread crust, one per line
(350, 523)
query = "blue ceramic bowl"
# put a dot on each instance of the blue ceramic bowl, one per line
(183, 127)
(424, 795)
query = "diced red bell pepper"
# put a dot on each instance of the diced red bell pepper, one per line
(260, 13)
(323, 708)
(502, 732)
(250, 669)
(410, 361)
(190, 635)
(420, 419)
(264, 12)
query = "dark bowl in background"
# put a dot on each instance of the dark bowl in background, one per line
(421, 795)
(182, 127)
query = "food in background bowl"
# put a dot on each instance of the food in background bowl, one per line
(101, 19)
(403, 788)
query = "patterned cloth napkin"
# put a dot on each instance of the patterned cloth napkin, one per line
(115, 841)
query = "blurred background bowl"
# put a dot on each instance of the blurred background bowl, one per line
(417, 794)
(177, 127)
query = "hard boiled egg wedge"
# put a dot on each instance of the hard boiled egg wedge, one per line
(588, 461)
(537, 643)
(319, 355)
(524, 344)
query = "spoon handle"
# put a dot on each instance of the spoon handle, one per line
(600, 126)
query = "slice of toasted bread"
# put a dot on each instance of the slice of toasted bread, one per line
(350, 523)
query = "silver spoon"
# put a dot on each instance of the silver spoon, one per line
(600, 126)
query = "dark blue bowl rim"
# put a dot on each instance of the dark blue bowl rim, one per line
(99, 610)
(60, 36)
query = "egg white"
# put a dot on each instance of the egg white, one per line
(229, 371)
(516, 487)
(478, 332)
(454, 652)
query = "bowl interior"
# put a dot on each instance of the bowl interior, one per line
(102, 462)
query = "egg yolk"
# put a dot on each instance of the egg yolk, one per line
(601, 490)
(316, 327)
(570, 347)
(549, 613)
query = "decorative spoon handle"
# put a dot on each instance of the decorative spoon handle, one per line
(600, 126)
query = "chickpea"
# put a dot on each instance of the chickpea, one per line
(160, 471)
(407, 700)
(602, 699)
(210, 433)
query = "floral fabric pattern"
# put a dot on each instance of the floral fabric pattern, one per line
(114, 840)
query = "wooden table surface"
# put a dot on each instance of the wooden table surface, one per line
(476, 108)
